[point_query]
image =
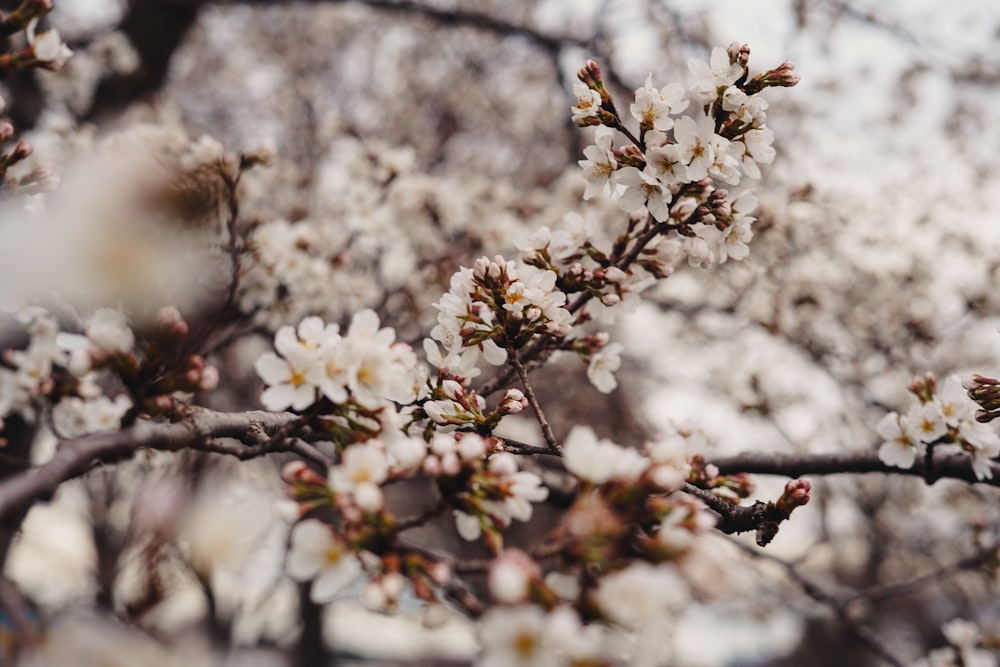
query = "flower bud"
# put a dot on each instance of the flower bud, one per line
(22, 150)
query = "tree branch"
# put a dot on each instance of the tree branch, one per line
(76, 457)
(954, 466)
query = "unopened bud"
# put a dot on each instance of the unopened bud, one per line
(739, 54)
(783, 76)
(591, 75)
(797, 493)
(297, 472)
(21, 151)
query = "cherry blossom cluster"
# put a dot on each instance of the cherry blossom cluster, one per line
(41, 51)
(487, 496)
(629, 530)
(365, 366)
(373, 216)
(71, 371)
(495, 306)
(486, 492)
(945, 418)
(45, 51)
(62, 368)
(669, 169)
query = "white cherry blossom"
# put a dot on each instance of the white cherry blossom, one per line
(898, 450)
(317, 554)
(600, 165)
(602, 367)
(599, 461)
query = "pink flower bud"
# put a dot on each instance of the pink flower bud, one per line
(22, 150)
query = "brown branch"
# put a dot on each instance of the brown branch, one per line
(550, 437)
(76, 457)
(953, 466)
(523, 448)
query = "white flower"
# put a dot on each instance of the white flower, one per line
(74, 416)
(292, 378)
(600, 164)
(380, 370)
(108, 330)
(319, 555)
(510, 576)
(670, 466)
(697, 144)
(603, 365)
(734, 241)
(955, 403)
(753, 147)
(700, 251)
(13, 395)
(639, 594)
(588, 102)
(961, 633)
(363, 468)
(576, 231)
(715, 74)
(467, 526)
(48, 47)
(515, 637)
(985, 446)
(598, 461)
(524, 488)
(898, 450)
(667, 165)
(653, 107)
(406, 453)
(925, 421)
(643, 190)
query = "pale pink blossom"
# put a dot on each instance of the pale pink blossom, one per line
(317, 554)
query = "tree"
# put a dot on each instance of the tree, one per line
(347, 262)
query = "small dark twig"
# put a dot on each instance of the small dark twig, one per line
(550, 438)
(863, 634)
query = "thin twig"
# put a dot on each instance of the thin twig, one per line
(867, 638)
(550, 438)
(523, 448)
(884, 591)
(421, 518)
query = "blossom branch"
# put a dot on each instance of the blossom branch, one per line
(74, 458)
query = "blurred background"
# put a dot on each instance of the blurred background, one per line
(411, 137)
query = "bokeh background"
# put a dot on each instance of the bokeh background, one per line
(874, 259)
